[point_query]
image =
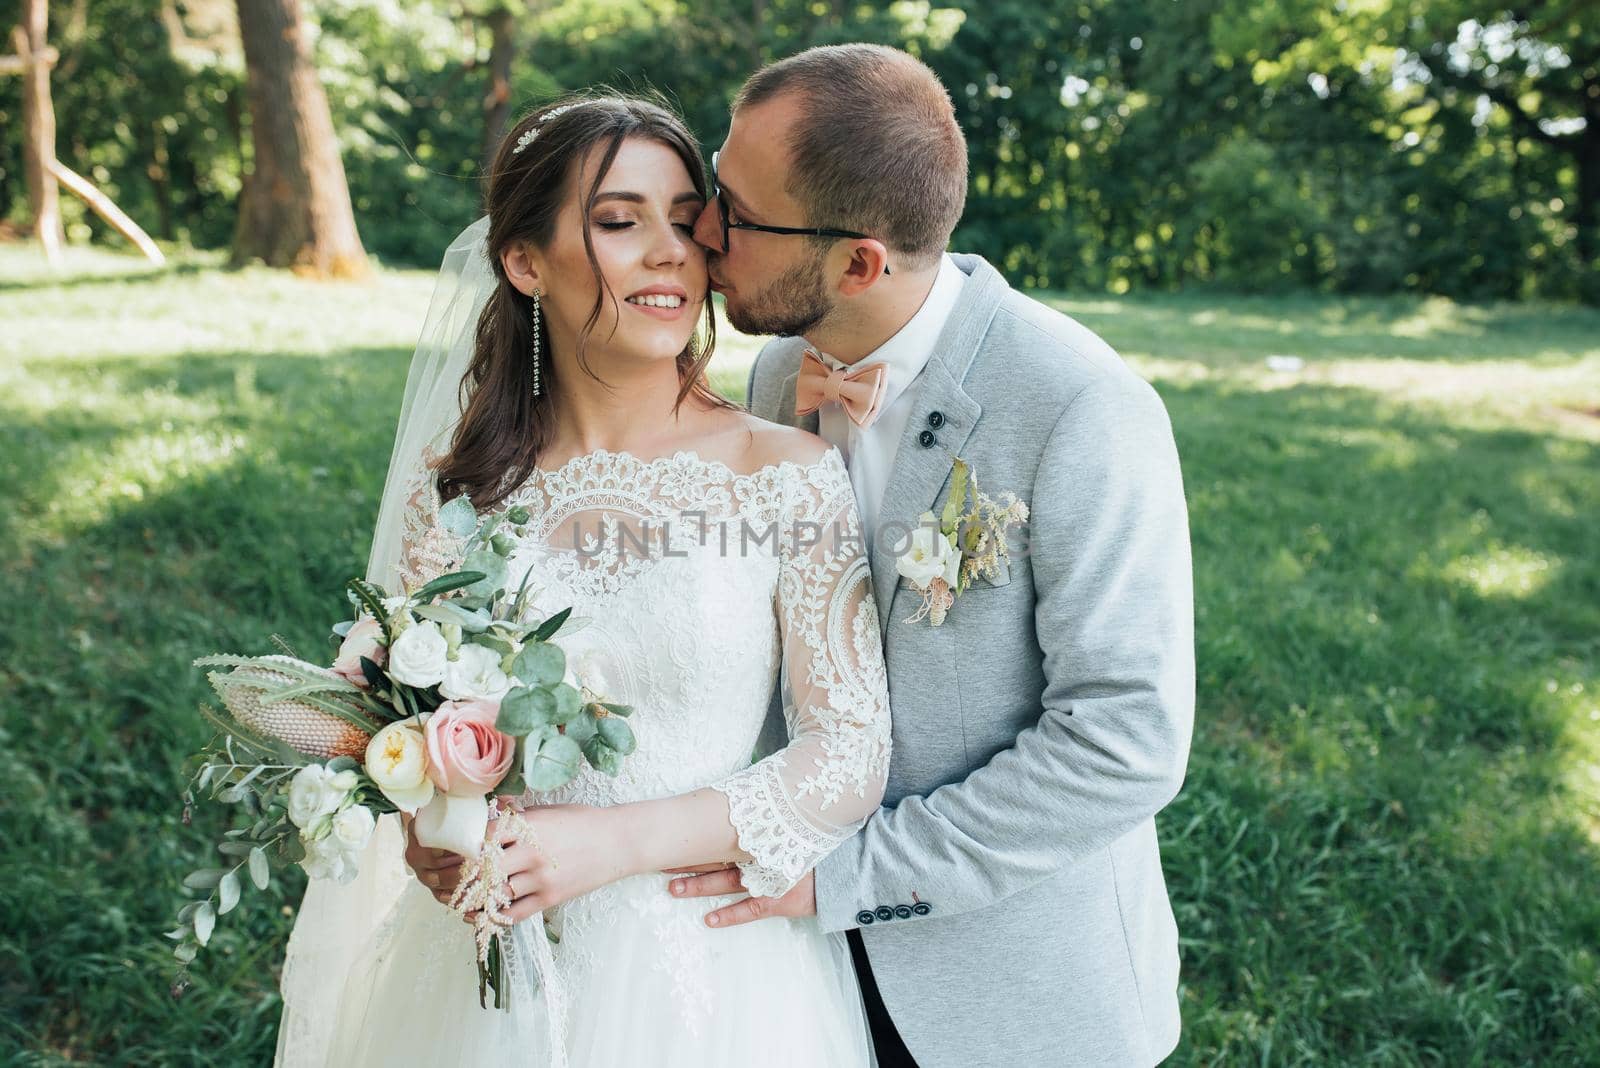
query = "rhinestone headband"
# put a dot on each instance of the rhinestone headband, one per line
(532, 132)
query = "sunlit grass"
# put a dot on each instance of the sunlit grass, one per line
(1388, 844)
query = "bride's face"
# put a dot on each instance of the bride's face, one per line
(640, 224)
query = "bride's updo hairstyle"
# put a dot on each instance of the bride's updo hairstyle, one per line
(504, 427)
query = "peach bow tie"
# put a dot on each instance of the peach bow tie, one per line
(860, 393)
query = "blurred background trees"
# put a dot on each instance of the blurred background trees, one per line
(1346, 145)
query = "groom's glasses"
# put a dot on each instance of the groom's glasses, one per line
(807, 231)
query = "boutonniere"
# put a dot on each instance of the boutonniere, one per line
(963, 543)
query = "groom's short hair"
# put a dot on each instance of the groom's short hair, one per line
(877, 147)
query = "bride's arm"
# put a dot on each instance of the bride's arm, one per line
(777, 818)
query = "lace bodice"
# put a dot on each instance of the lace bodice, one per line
(694, 588)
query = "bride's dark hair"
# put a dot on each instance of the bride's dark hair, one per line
(504, 427)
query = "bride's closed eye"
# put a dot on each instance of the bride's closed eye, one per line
(623, 224)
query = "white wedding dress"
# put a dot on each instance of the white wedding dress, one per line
(694, 586)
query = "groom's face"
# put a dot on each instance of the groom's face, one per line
(770, 283)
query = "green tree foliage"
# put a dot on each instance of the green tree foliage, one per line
(1351, 145)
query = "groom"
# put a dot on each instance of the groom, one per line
(1006, 904)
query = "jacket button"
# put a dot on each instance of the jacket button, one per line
(922, 908)
(926, 439)
(865, 918)
(885, 913)
(903, 911)
(936, 419)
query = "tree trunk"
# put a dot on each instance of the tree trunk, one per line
(39, 126)
(497, 101)
(295, 208)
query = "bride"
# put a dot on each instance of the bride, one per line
(706, 553)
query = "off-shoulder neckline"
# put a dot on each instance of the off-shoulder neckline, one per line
(566, 470)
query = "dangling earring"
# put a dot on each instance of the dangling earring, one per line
(536, 326)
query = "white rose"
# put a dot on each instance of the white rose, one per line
(313, 794)
(326, 858)
(930, 556)
(417, 657)
(397, 760)
(474, 674)
(353, 827)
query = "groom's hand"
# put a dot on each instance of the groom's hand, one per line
(436, 869)
(800, 901)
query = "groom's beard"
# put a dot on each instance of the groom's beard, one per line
(788, 307)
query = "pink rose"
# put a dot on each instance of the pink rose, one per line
(365, 639)
(466, 755)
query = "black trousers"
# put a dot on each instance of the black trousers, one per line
(891, 1051)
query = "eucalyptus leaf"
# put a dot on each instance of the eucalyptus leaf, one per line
(235, 849)
(522, 710)
(186, 952)
(204, 879)
(186, 913)
(602, 756)
(540, 664)
(494, 572)
(260, 872)
(458, 516)
(344, 763)
(617, 710)
(205, 921)
(341, 629)
(617, 734)
(581, 728)
(569, 702)
(552, 764)
(227, 893)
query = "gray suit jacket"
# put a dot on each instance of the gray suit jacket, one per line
(1009, 891)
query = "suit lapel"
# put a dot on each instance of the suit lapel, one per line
(919, 473)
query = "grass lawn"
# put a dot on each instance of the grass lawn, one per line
(1388, 847)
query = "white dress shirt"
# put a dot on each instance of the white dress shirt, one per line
(869, 454)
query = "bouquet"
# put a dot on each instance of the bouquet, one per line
(438, 699)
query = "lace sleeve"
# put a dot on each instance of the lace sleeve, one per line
(426, 549)
(791, 809)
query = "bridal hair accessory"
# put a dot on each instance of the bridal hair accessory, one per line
(537, 315)
(946, 554)
(532, 132)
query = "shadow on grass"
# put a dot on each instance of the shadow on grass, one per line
(134, 272)
(1374, 858)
